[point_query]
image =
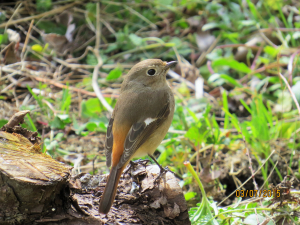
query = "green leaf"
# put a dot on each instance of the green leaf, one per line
(246, 23)
(183, 89)
(3, 38)
(287, 129)
(65, 118)
(3, 122)
(296, 91)
(51, 145)
(225, 105)
(136, 40)
(234, 120)
(209, 26)
(93, 105)
(193, 134)
(37, 48)
(176, 41)
(163, 157)
(193, 115)
(43, 5)
(78, 128)
(246, 106)
(284, 102)
(111, 47)
(259, 122)
(231, 80)
(189, 195)
(91, 59)
(114, 74)
(66, 100)
(216, 80)
(57, 123)
(271, 50)
(102, 127)
(242, 67)
(51, 27)
(255, 219)
(182, 23)
(296, 35)
(252, 9)
(166, 2)
(91, 126)
(91, 108)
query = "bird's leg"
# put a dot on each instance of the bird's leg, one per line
(162, 170)
(132, 164)
(129, 167)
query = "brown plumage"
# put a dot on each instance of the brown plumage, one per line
(140, 121)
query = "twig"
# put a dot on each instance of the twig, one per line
(72, 65)
(179, 61)
(45, 80)
(140, 16)
(204, 54)
(179, 78)
(97, 67)
(45, 14)
(261, 69)
(208, 63)
(12, 16)
(142, 48)
(266, 30)
(98, 30)
(290, 66)
(237, 46)
(6, 47)
(256, 56)
(271, 172)
(250, 163)
(85, 44)
(267, 39)
(291, 92)
(26, 41)
(199, 151)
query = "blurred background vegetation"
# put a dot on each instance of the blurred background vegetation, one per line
(237, 91)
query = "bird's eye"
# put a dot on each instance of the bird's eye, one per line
(151, 72)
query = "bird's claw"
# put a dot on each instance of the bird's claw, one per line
(133, 164)
(161, 173)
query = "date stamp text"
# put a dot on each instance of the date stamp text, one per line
(257, 193)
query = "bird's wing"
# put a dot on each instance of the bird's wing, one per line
(140, 132)
(109, 142)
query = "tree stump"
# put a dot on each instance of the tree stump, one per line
(36, 189)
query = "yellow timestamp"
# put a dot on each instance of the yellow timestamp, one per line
(257, 193)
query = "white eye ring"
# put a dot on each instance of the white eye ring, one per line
(151, 72)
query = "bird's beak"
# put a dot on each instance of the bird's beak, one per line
(170, 64)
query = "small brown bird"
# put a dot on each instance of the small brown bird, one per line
(139, 122)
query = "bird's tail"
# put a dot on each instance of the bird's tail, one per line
(110, 190)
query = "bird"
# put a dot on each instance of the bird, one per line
(139, 122)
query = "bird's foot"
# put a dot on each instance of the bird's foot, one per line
(140, 161)
(162, 171)
(133, 164)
